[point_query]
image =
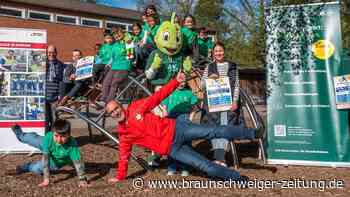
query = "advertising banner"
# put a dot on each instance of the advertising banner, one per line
(303, 56)
(22, 88)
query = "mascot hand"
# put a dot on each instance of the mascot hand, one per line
(187, 65)
(156, 62)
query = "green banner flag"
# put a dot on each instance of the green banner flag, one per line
(303, 55)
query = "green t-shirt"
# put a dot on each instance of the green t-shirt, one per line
(61, 155)
(188, 38)
(152, 30)
(204, 45)
(119, 57)
(180, 102)
(105, 53)
(169, 68)
(138, 38)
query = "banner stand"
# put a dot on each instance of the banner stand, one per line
(22, 90)
(304, 50)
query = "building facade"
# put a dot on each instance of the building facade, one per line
(70, 24)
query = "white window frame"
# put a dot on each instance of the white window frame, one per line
(40, 12)
(91, 19)
(22, 10)
(119, 23)
(67, 16)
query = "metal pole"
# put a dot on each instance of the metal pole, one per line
(140, 161)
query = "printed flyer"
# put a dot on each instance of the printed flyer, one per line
(342, 91)
(219, 94)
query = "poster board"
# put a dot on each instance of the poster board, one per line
(219, 94)
(342, 91)
(22, 88)
(85, 67)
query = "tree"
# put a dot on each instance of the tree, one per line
(209, 13)
(246, 37)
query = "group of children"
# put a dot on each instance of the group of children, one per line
(116, 57)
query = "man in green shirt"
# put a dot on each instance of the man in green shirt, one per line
(59, 148)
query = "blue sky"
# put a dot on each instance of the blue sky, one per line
(129, 4)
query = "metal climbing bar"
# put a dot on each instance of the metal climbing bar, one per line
(140, 161)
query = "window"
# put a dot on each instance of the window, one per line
(91, 22)
(40, 15)
(9, 11)
(130, 28)
(110, 24)
(66, 19)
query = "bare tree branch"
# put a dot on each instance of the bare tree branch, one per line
(235, 17)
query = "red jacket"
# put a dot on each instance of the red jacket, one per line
(143, 128)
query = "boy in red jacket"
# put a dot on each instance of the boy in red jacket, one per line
(168, 136)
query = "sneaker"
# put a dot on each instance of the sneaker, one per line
(170, 173)
(14, 172)
(100, 104)
(153, 164)
(97, 106)
(17, 129)
(185, 173)
(221, 163)
(154, 160)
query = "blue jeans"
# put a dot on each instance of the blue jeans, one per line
(186, 131)
(36, 141)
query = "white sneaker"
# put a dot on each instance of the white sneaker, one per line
(170, 173)
(220, 163)
(185, 173)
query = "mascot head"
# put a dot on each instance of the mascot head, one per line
(169, 38)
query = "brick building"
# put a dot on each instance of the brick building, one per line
(70, 24)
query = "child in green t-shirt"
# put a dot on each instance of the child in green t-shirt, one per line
(121, 65)
(181, 101)
(59, 149)
(105, 52)
(139, 39)
(205, 43)
(189, 35)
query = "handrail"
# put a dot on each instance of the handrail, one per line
(140, 161)
(257, 120)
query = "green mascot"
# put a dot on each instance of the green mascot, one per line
(166, 61)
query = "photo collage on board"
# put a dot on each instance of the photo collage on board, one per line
(22, 78)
